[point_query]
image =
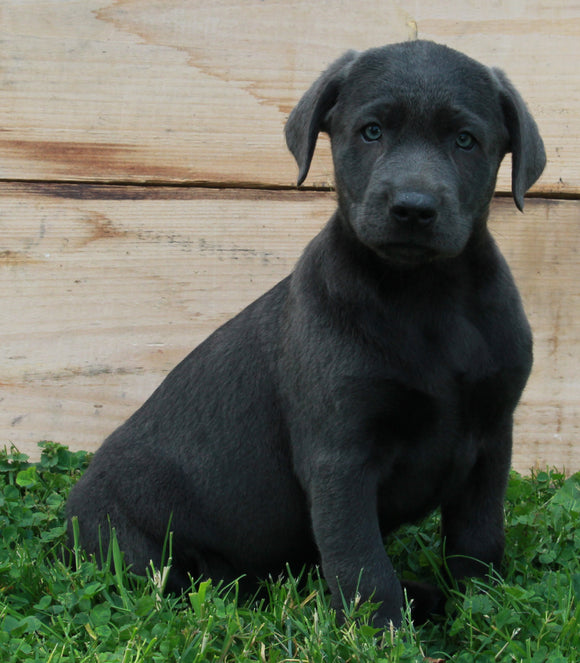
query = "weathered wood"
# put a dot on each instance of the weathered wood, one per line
(185, 91)
(105, 288)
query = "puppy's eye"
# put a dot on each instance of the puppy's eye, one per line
(465, 141)
(371, 132)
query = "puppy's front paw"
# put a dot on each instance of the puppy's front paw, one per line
(426, 600)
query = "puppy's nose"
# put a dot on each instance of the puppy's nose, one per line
(414, 207)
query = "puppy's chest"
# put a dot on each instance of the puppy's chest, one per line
(403, 413)
(433, 390)
(438, 395)
(424, 445)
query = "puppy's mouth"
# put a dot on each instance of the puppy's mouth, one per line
(407, 255)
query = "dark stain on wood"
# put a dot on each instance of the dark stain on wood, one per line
(127, 191)
(16, 258)
(109, 161)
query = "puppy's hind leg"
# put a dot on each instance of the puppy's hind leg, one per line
(95, 535)
(222, 572)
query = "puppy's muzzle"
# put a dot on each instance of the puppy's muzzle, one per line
(411, 218)
(413, 210)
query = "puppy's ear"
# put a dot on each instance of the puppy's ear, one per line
(308, 118)
(526, 146)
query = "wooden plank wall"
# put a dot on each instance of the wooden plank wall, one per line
(146, 194)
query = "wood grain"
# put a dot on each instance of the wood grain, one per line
(193, 92)
(105, 284)
(105, 288)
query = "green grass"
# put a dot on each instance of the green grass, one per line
(51, 613)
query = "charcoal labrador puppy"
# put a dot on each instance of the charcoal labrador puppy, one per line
(375, 383)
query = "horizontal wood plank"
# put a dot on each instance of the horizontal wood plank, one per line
(182, 91)
(105, 288)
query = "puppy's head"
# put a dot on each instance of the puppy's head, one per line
(418, 132)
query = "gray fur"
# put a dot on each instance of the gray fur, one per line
(376, 382)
